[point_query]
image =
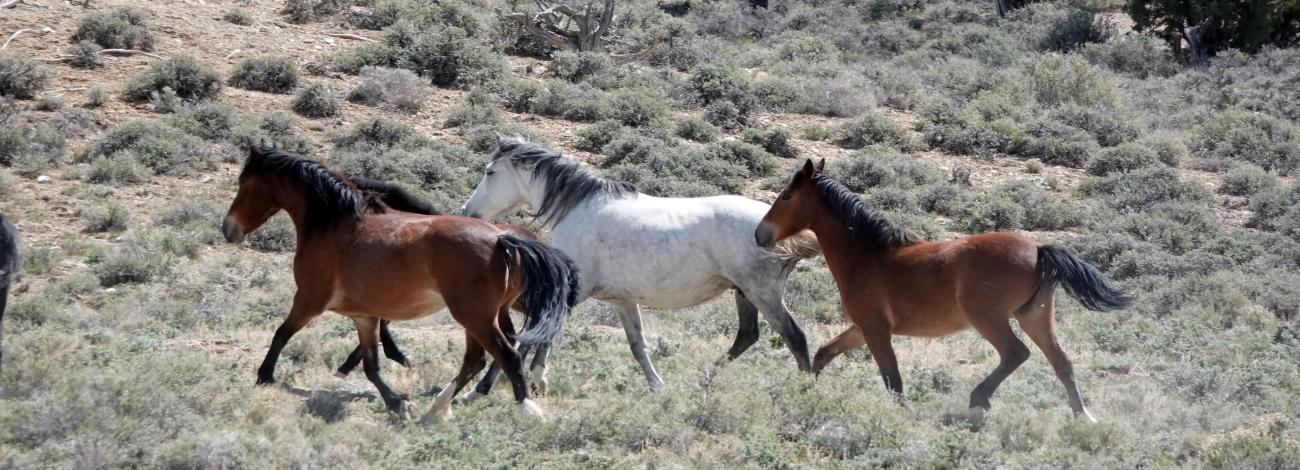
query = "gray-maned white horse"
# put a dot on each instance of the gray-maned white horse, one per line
(636, 250)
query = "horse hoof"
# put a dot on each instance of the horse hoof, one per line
(340, 374)
(656, 387)
(1086, 415)
(264, 381)
(530, 407)
(436, 415)
(469, 397)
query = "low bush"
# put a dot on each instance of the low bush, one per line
(695, 128)
(1137, 55)
(269, 74)
(49, 102)
(752, 157)
(316, 100)
(1140, 189)
(239, 17)
(1271, 143)
(595, 137)
(578, 66)
(637, 107)
(110, 217)
(118, 169)
(398, 89)
(376, 132)
(1043, 210)
(277, 235)
(714, 82)
(85, 55)
(119, 28)
(1056, 143)
(1121, 159)
(478, 109)
(444, 54)
(185, 76)
(139, 259)
(444, 173)
(1247, 180)
(881, 166)
(162, 148)
(21, 78)
(990, 213)
(775, 140)
(98, 96)
(29, 150)
(871, 128)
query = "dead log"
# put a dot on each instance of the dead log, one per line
(42, 31)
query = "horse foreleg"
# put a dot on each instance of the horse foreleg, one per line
(1011, 351)
(469, 367)
(747, 333)
(368, 334)
(390, 345)
(847, 341)
(303, 311)
(631, 315)
(771, 303)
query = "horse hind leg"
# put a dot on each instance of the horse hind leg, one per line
(883, 352)
(1011, 352)
(368, 334)
(390, 351)
(630, 314)
(1038, 322)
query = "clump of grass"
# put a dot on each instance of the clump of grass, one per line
(277, 235)
(30, 149)
(775, 140)
(596, 136)
(185, 77)
(160, 147)
(21, 78)
(49, 102)
(1124, 158)
(697, 129)
(316, 100)
(119, 28)
(398, 89)
(118, 169)
(1245, 179)
(239, 17)
(444, 54)
(138, 259)
(269, 74)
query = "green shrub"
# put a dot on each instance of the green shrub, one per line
(637, 107)
(137, 260)
(316, 100)
(713, 82)
(269, 74)
(754, 158)
(695, 128)
(1043, 211)
(85, 55)
(118, 169)
(239, 17)
(881, 166)
(1076, 28)
(375, 132)
(596, 136)
(817, 133)
(1055, 79)
(446, 173)
(1121, 159)
(49, 102)
(111, 217)
(446, 55)
(989, 213)
(398, 89)
(162, 148)
(1056, 143)
(1137, 55)
(30, 150)
(726, 115)
(871, 128)
(775, 140)
(119, 28)
(631, 148)
(1141, 189)
(21, 78)
(98, 96)
(1246, 180)
(578, 66)
(573, 102)
(1258, 138)
(478, 109)
(277, 235)
(185, 76)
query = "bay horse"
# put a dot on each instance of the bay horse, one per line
(638, 250)
(892, 282)
(398, 198)
(357, 258)
(10, 262)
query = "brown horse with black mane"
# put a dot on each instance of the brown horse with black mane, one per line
(359, 258)
(892, 282)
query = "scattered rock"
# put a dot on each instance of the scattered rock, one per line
(42, 179)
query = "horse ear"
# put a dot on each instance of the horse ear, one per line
(500, 137)
(821, 165)
(808, 169)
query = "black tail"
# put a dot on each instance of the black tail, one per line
(550, 286)
(1080, 279)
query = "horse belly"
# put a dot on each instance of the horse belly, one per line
(401, 306)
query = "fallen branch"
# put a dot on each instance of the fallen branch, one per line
(43, 31)
(232, 53)
(350, 36)
(129, 52)
(622, 59)
(8, 4)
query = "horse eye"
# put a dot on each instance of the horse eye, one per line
(490, 172)
(786, 196)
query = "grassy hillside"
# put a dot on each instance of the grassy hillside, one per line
(133, 335)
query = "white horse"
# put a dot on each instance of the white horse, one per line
(636, 250)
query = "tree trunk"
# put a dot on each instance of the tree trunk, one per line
(1198, 50)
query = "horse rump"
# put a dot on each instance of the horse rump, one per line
(550, 286)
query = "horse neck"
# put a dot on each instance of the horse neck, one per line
(843, 254)
(292, 197)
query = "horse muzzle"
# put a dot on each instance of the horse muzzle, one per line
(234, 233)
(765, 236)
(465, 212)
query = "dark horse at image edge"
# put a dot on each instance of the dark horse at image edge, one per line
(9, 265)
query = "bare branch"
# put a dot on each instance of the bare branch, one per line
(636, 56)
(42, 31)
(350, 36)
(8, 3)
(129, 52)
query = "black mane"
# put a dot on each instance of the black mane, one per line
(568, 183)
(330, 197)
(392, 196)
(866, 225)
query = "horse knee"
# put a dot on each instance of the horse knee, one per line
(1017, 355)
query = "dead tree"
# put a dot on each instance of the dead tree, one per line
(553, 25)
(1199, 53)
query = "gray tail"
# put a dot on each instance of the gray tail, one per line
(550, 286)
(1081, 280)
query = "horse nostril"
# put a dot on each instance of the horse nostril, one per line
(232, 231)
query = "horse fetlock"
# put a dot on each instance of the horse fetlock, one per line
(471, 396)
(537, 381)
(532, 408)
